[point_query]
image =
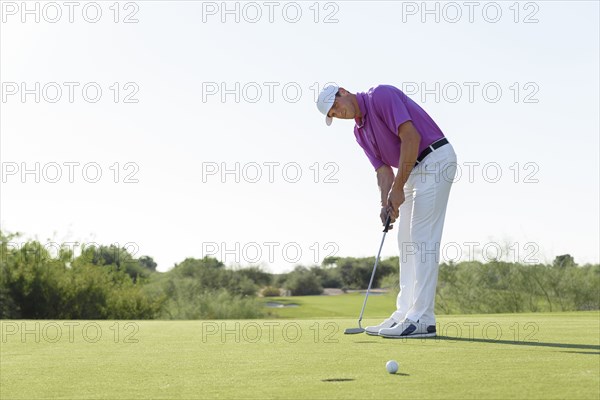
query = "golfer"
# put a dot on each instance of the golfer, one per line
(396, 132)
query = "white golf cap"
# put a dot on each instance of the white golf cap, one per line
(325, 101)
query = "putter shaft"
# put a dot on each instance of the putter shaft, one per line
(360, 328)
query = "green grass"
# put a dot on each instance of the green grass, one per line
(543, 356)
(345, 305)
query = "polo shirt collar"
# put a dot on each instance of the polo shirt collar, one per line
(360, 99)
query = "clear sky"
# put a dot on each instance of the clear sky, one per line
(201, 120)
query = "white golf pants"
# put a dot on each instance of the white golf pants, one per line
(420, 228)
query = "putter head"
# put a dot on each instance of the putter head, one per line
(353, 331)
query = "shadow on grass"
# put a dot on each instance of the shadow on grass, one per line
(511, 342)
(337, 380)
(370, 341)
(479, 340)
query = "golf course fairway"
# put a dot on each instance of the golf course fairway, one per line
(524, 356)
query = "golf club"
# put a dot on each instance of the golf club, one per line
(360, 329)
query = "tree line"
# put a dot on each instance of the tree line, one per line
(107, 282)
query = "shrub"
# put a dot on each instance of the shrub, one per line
(270, 291)
(328, 277)
(210, 274)
(256, 275)
(187, 303)
(303, 282)
(390, 282)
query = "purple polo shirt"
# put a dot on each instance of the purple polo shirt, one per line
(384, 109)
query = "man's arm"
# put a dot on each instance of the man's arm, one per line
(411, 139)
(385, 180)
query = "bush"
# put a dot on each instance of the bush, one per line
(35, 285)
(271, 291)
(256, 275)
(391, 282)
(303, 282)
(356, 272)
(210, 274)
(188, 303)
(328, 277)
(205, 289)
(280, 279)
(107, 282)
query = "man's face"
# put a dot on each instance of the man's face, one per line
(342, 108)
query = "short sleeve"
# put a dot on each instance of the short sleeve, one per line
(390, 105)
(375, 161)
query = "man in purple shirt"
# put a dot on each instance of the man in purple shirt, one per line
(395, 132)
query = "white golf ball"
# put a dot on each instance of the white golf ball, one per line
(391, 366)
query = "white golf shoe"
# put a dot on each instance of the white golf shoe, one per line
(408, 328)
(374, 330)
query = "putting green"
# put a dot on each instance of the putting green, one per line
(545, 356)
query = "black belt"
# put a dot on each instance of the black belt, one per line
(430, 148)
